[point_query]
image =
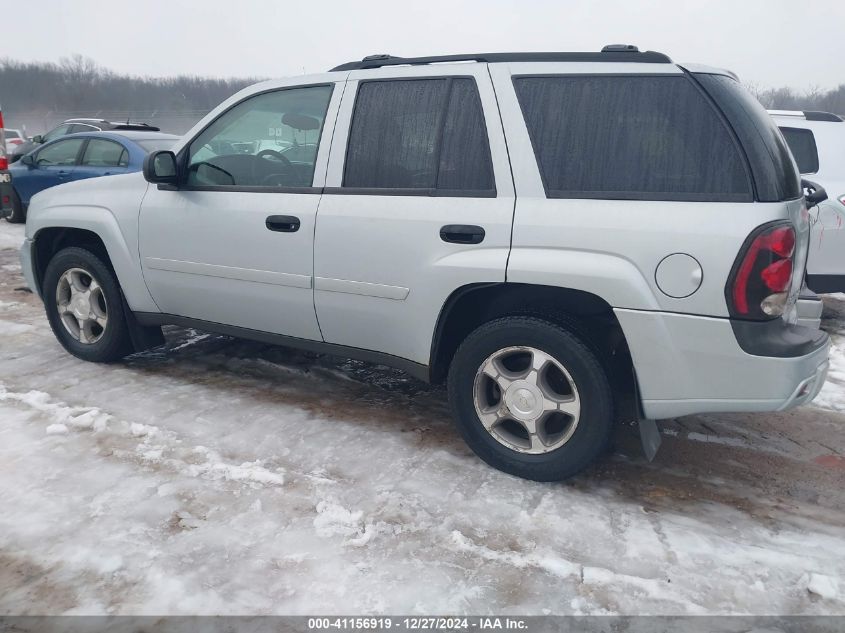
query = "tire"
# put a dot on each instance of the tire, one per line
(105, 344)
(16, 216)
(571, 374)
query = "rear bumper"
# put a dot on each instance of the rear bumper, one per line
(691, 364)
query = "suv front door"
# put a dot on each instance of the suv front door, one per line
(419, 201)
(233, 244)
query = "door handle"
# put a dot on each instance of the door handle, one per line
(282, 223)
(462, 234)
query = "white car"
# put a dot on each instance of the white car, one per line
(553, 235)
(13, 138)
(817, 141)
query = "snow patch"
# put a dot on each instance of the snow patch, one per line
(12, 236)
(554, 565)
(10, 328)
(64, 417)
(248, 472)
(823, 586)
(335, 520)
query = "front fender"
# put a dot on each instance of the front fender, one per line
(107, 207)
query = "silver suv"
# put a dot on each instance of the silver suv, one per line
(553, 235)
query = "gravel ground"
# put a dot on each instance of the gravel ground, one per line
(219, 476)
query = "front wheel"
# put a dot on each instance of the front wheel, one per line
(84, 306)
(531, 398)
(16, 215)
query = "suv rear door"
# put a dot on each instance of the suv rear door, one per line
(419, 201)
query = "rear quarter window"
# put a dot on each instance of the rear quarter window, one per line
(775, 173)
(630, 137)
(802, 144)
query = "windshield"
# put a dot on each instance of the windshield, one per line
(156, 144)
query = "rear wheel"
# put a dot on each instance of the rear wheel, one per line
(84, 306)
(531, 398)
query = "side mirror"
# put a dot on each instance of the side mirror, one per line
(815, 193)
(37, 139)
(28, 160)
(160, 168)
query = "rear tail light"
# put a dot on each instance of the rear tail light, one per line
(842, 199)
(760, 280)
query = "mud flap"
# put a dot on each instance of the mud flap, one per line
(649, 433)
(143, 336)
(650, 438)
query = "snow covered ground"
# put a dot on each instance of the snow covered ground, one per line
(218, 476)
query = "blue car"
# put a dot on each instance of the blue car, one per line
(74, 157)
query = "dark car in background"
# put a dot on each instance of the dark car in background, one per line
(74, 126)
(75, 157)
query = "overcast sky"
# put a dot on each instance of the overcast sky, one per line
(769, 43)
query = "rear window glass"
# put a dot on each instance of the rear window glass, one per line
(615, 137)
(419, 134)
(775, 173)
(103, 153)
(11, 134)
(802, 143)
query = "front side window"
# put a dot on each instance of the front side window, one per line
(426, 134)
(629, 137)
(269, 141)
(102, 153)
(61, 153)
(802, 144)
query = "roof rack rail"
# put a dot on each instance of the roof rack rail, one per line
(610, 53)
(815, 115)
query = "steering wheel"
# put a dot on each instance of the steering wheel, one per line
(267, 157)
(264, 154)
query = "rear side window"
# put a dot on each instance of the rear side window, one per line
(802, 143)
(630, 137)
(81, 127)
(103, 153)
(424, 134)
(775, 173)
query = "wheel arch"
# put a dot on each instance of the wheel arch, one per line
(589, 315)
(97, 229)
